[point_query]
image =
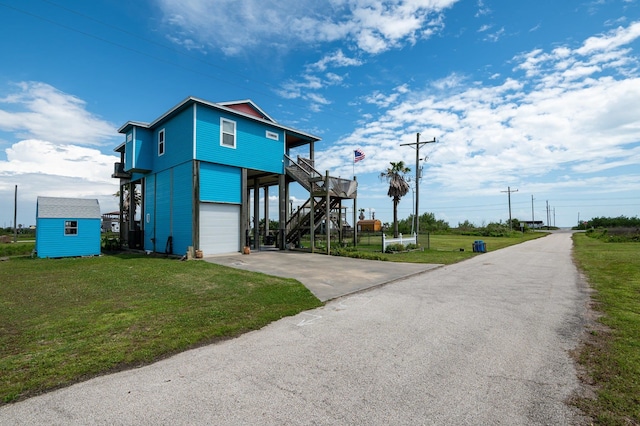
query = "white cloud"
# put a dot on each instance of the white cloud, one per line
(38, 110)
(619, 37)
(367, 25)
(482, 9)
(495, 36)
(45, 129)
(336, 59)
(384, 101)
(36, 156)
(574, 112)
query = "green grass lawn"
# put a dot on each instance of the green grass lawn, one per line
(444, 249)
(17, 249)
(66, 320)
(612, 357)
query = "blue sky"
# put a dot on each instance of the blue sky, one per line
(541, 97)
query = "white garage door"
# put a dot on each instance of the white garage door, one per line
(219, 228)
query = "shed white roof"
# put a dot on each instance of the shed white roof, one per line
(54, 207)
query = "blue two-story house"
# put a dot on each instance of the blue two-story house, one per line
(189, 175)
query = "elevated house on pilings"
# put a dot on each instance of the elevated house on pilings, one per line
(191, 176)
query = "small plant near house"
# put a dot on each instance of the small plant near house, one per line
(110, 242)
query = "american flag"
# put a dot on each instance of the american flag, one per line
(358, 155)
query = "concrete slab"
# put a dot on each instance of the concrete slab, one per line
(327, 277)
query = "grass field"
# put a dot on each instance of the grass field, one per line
(612, 356)
(17, 249)
(444, 249)
(66, 320)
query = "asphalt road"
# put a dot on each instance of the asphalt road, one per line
(481, 342)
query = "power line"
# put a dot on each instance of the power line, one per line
(417, 144)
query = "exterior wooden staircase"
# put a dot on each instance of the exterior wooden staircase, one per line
(325, 201)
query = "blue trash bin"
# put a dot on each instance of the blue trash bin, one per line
(479, 246)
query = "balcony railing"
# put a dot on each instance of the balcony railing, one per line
(119, 173)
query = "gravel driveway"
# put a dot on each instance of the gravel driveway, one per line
(480, 342)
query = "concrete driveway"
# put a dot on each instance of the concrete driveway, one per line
(328, 277)
(482, 342)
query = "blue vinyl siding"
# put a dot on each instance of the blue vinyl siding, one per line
(173, 195)
(220, 183)
(253, 149)
(178, 146)
(144, 149)
(149, 211)
(139, 150)
(182, 207)
(52, 242)
(163, 209)
(128, 152)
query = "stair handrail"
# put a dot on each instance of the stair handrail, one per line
(308, 166)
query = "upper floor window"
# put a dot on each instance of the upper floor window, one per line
(161, 142)
(70, 227)
(227, 133)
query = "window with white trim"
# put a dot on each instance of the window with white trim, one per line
(70, 227)
(161, 142)
(227, 133)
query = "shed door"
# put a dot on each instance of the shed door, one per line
(219, 228)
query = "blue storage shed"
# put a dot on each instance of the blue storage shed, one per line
(67, 227)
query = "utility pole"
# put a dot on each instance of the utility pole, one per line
(15, 216)
(548, 224)
(417, 144)
(509, 191)
(533, 218)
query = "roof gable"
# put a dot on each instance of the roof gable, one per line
(248, 107)
(244, 108)
(62, 208)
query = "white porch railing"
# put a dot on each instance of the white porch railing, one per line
(400, 240)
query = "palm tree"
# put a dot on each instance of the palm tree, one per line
(398, 188)
(126, 199)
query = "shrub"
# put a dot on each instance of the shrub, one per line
(393, 248)
(353, 253)
(16, 249)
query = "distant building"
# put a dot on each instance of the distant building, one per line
(533, 224)
(111, 222)
(369, 225)
(67, 227)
